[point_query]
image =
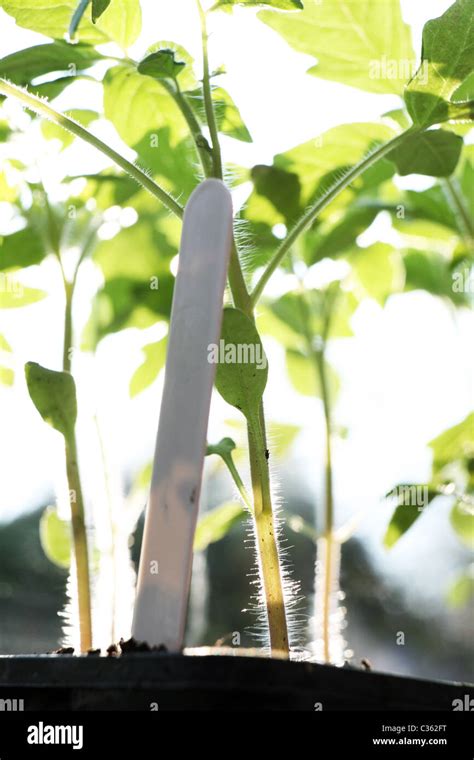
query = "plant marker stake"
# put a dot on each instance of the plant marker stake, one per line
(166, 557)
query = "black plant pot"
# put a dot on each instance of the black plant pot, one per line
(159, 681)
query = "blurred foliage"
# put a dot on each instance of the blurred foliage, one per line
(156, 107)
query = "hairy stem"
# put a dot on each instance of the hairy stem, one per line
(81, 553)
(315, 209)
(207, 92)
(267, 541)
(46, 111)
(202, 146)
(329, 503)
(79, 532)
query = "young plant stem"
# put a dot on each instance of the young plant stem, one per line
(46, 111)
(267, 540)
(318, 355)
(79, 531)
(320, 204)
(202, 146)
(81, 552)
(207, 92)
(238, 481)
(329, 503)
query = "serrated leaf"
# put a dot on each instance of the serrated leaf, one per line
(229, 120)
(435, 153)
(54, 395)
(138, 104)
(55, 536)
(147, 372)
(462, 522)
(318, 162)
(121, 23)
(242, 368)
(187, 77)
(362, 43)
(162, 65)
(216, 524)
(447, 59)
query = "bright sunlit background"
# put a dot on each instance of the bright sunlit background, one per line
(407, 375)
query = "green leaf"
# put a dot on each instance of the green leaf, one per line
(121, 23)
(302, 373)
(216, 524)
(147, 372)
(54, 395)
(242, 370)
(378, 271)
(21, 249)
(462, 590)
(229, 120)
(430, 204)
(332, 238)
(125, 302)
(4, 345)
(462, 522)
(182, 59)
(153, 242)
(162, 65)
(223, 448)
(54, 131)
(98, 7)
(447, 60)
(289, 5)
(282, 189)
(320, 160)
(14, 295)
(7, 376)
(412, 498)
(55, 536)
(138, 104)
(305, 379)
(431, 272)
(454, 444)
(173, 165)
(435, 153)
(58, 56)
(362, 43)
